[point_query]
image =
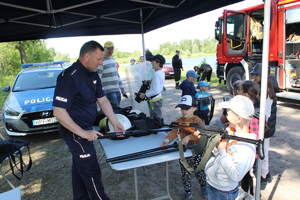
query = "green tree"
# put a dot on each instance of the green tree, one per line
(9, 59)
(136, 55)
(61, 57)
(37, 52)
(165, 51)
(197, 42)
(13, 54)
(185, 44)
(209, 45)
(21, 46)
(164, 46)
(195, 48)
(187, 53)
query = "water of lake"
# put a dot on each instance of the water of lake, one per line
(189, 63)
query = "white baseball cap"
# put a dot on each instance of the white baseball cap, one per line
(240, 105)
(186, 102)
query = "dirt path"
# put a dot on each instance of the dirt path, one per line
(50, 176)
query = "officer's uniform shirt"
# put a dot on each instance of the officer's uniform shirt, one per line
(77, 91)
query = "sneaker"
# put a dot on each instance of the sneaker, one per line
(177, 87)
(266, 180)
(187, 196)
(268, 177)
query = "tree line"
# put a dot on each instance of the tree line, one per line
(188, 48)
(13, 54)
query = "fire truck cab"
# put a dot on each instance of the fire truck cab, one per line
(240, 42)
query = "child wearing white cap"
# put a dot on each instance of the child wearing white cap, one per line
(232, 159)
(188, 105)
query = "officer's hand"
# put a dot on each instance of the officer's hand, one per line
(118, 127)
(91, 135)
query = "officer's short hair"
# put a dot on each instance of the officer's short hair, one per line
(90, 47)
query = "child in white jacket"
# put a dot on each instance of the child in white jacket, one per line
(232, 159)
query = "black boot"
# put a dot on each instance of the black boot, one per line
(177, 86)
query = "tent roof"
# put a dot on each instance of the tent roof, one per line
(41, 19)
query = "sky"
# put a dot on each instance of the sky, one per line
(198, 27)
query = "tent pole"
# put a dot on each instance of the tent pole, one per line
(263, 97)
(142, 32)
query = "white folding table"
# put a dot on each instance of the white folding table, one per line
(115, 148)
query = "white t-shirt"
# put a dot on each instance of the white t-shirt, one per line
(157, 84)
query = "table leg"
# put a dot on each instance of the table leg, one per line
(167, 196)
(8, 181)
(167, 180)
(136, 184)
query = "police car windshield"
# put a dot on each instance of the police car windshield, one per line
(35, 81)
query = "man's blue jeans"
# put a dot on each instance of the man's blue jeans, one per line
(215, 194)
(114, 98)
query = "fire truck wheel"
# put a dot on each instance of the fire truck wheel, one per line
(234, 74)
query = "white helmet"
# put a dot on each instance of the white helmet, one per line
(105, 124)
(135, 111)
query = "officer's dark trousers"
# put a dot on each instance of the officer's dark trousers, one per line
(177, 74)
(206, 75)
(86, 173)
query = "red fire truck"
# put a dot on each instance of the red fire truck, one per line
(240, 36)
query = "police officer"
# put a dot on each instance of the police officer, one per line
(177, 66)
(77, 91)
(206, 71)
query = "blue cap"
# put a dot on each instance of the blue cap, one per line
(203, 83)
(132, 59)
(192, 73)
(256, 69)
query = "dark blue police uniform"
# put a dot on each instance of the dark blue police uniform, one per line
(77, 91)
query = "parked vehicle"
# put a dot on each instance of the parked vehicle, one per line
(28, 107)
(240, 36)
(168, 69)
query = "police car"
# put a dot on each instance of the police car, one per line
(28, 107)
